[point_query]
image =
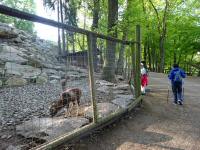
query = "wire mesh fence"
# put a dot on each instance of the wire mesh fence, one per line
(46, 94)
(37, 93)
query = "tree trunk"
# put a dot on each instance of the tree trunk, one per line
(162, 54)
(184, 64)
(179, 58)
(126, 68)
(73, 42)
(101, 49)
(129, 70)
(84, 25)
(63, 31)
(67, 42)
(153, 57)
(175, 60)
(156, 62)
(162, 28)
(109, 64)
(120, 63)
(145, 51)
(149, 54)
(59, 42)
(94, 27)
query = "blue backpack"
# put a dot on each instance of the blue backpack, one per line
(177, 76)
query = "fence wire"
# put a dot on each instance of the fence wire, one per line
(45, 94)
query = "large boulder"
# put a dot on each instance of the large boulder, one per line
(54, 77)
(24, 71)
(121, 87)
(43, 78)
(11, 54)
(51, 71)
(104, 89)
(17, 40)
(49, 128)
(124, 96)
(13, 69)
(104, 83)
(104, 109)
(2, 71)
(54, 81)
(7, 32)
(11, 147)
(123, 100)
(1, 83)
(8, 57)
(75, 75)
(16, 81)
(119, 78)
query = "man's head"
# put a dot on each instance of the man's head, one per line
(175, 66)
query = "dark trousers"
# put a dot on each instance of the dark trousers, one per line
(177, 91)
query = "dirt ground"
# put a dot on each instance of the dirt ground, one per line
(157, 125)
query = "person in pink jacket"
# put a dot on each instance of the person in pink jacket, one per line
(144, 78)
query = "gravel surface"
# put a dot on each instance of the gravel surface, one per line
(22, 103)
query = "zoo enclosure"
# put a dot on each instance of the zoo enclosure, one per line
(135, 58)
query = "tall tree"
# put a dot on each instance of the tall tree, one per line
(162, 30)
(124, 27)
(96, 10)
(59, 41)
(62, 21)
(109, 63)
(71, 7)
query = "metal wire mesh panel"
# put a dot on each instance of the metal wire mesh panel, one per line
(113, 92)
(40, 90)
(48, 91)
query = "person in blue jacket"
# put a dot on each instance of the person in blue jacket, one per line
(176, 75)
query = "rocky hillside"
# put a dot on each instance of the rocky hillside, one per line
(26, 57)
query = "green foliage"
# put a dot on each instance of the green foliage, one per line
(182, 38)
(24, 5)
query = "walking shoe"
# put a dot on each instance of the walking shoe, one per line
(180, 102)
(175, 103)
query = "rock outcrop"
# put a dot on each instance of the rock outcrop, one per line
(23, 55)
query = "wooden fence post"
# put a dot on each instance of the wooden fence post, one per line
(91, 77)
(133, 58)
(138, 60)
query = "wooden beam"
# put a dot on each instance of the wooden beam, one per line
(31, 17)
(133, 53)
(91, 77)
(138, 60)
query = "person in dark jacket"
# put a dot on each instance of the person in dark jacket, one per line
(176, 75)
